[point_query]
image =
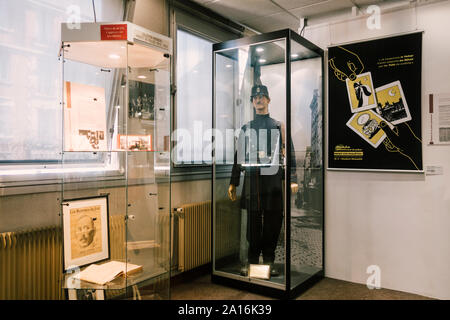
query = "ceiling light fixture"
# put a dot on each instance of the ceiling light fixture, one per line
(259, 49)
(262, 60)
(114, 56)
(142, 77)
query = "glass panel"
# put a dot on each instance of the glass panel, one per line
(249, 202)
(306, 132)
(148, 170)
(118, 119)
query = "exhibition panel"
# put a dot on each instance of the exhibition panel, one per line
(267, 235)
(115, 194)
(380, 129)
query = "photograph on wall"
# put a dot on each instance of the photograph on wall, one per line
(367, 124)
(374, 105)
(392, 104)
(139, 142)
(84, 117)
(86, 233)
(361, 94)
(141, 100)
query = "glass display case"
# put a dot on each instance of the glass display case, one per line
(268, 173)
(115, 193)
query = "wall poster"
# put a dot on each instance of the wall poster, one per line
(84, 117)
(85, 231)
(439, 118)
(374, 105)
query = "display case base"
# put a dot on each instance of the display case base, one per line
(268, 291)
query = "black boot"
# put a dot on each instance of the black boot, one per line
(244, 271)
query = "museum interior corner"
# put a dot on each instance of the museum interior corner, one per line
(184, 150)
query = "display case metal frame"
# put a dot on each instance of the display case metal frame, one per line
(256, 285)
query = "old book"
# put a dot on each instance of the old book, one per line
(104, 273)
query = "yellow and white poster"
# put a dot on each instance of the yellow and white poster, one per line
(86, 232)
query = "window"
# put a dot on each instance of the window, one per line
(192, 136)
(30, 83)
(5, 15)
(194, 104)
(194, 90)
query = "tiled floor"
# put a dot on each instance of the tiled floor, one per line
(201, 288)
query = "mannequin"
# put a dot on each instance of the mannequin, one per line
(260, 154)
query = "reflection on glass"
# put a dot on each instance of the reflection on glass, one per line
(306, 132)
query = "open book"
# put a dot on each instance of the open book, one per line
(104, 273)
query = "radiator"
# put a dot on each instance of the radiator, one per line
(117, 235)
(30, 264)
(194, 232)
(31, 261)
(194, 235)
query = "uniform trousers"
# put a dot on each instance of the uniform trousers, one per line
(263, 230)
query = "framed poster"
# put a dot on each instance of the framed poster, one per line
(84, 117)
(86, 231)
(374, 106)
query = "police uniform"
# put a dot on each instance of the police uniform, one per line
(259, 155)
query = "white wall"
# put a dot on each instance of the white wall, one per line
(153, 15)
(398, 221)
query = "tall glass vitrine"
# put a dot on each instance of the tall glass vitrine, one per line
(115, 193)
(267, 189)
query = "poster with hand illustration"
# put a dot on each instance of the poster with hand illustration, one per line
(374, 107)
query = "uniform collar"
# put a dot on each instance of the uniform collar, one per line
(261, 116)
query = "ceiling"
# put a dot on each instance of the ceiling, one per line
(270, 15)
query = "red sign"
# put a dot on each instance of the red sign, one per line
(113, 32)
